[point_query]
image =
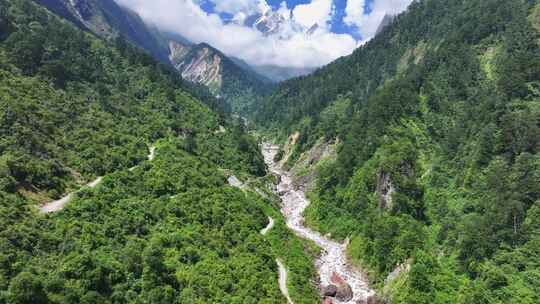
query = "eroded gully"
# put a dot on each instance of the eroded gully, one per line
(333, 258)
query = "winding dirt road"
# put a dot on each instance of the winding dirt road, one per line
(267, 228)
(334, 255)
(283, 281)
(59, 204)
(235, 182)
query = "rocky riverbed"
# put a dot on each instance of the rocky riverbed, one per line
(340, 282)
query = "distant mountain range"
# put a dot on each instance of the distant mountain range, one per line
(278, 74)
(274, 23)
(230, 78)
(199, 63)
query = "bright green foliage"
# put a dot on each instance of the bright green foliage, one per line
(443, 111)
(300, 266)
(74, 106)
(168, 231)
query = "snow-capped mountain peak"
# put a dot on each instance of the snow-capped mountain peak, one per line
(268, 23)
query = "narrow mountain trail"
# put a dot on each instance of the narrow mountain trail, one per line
(59, 204)
(283, 281)
(235, 182)
(333, 265)
(267, 228)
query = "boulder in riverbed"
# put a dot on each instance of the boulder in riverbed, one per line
(344, 292)
(327, 300)
(329, 291)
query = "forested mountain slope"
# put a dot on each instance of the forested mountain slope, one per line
(438, 165)
(203, 65)
(167, 231)
(76, 107)
(107, 19)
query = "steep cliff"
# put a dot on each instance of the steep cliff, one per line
(199, 64)
(203, 64)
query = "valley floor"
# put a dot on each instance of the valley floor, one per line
(332, 265)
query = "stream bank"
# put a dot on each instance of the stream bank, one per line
(339, 280)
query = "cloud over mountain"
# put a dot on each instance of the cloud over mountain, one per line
(365, 16)
(301, 36)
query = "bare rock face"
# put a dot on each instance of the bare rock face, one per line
(304, 173)
(336, 279)
(329, 291)
(198, 64)
(178, 51)
(371, 299)
(289, 148)
(385, 189)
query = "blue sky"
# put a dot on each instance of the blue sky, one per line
(337, 25)
(343, 25)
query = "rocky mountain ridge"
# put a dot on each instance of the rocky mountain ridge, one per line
(227, 78)
(201, 64)
(267, 23)
(107, 19)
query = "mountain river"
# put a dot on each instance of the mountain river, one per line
(333, 259)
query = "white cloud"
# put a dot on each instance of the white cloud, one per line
(239, 6)
(290, 47)
(367, 24)
(354, 12)
(318, 11)
(186, 18)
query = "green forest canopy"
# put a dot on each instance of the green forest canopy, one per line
(445, 103)
(171, 230)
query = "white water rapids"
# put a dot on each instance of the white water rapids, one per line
(333, 258)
